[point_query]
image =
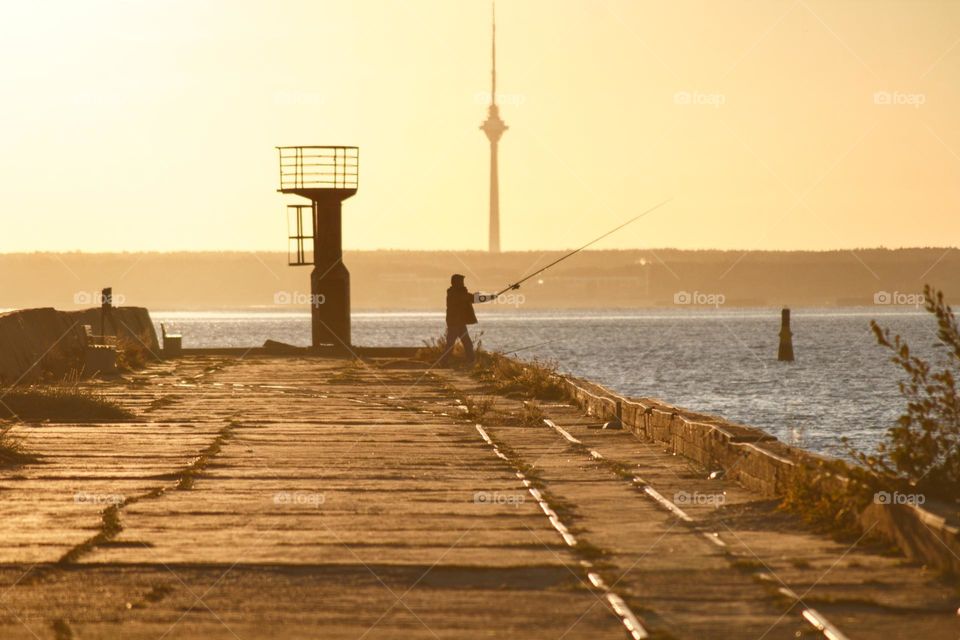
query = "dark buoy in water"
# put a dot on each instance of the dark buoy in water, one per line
(785, 354)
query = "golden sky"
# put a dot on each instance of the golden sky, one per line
(151, 125)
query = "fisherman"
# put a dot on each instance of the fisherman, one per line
(460, 301)
(459, 315)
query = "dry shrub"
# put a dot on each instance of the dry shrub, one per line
(12, 452)
(921, 452)
(133, 352)
(519, 378)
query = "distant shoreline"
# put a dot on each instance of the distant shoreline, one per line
(417, 280)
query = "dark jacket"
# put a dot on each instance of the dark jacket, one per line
(460, 307)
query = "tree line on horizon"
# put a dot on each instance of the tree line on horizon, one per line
(417, 280)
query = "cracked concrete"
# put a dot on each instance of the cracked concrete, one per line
(346, 509)
(295, 497)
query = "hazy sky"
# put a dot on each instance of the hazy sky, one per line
(135, 125)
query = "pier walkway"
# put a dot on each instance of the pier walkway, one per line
(317, 498)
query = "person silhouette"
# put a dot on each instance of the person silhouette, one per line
(459, 315)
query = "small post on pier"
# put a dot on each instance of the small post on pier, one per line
(785, 354)
(617, 421)
(106, 306)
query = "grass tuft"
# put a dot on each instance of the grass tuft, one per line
(63, 402)
(433, 349)
(133, 353)
(532, 415)
(12, 452)
(478, 407)
(518, 378)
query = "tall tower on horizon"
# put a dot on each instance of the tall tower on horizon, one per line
(494, 127)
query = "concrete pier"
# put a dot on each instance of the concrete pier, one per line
(271, 497)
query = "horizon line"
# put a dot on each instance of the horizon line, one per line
(483, 251)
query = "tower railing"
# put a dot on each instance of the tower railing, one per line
(318, 167)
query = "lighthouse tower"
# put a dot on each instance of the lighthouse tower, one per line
(326, 176)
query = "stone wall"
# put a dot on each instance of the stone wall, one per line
(760, 462)
(34, 342)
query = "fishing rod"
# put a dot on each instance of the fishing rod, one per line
(516, 285)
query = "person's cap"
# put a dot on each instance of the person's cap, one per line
(457, 277)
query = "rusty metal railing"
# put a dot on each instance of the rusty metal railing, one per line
(319, 167)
